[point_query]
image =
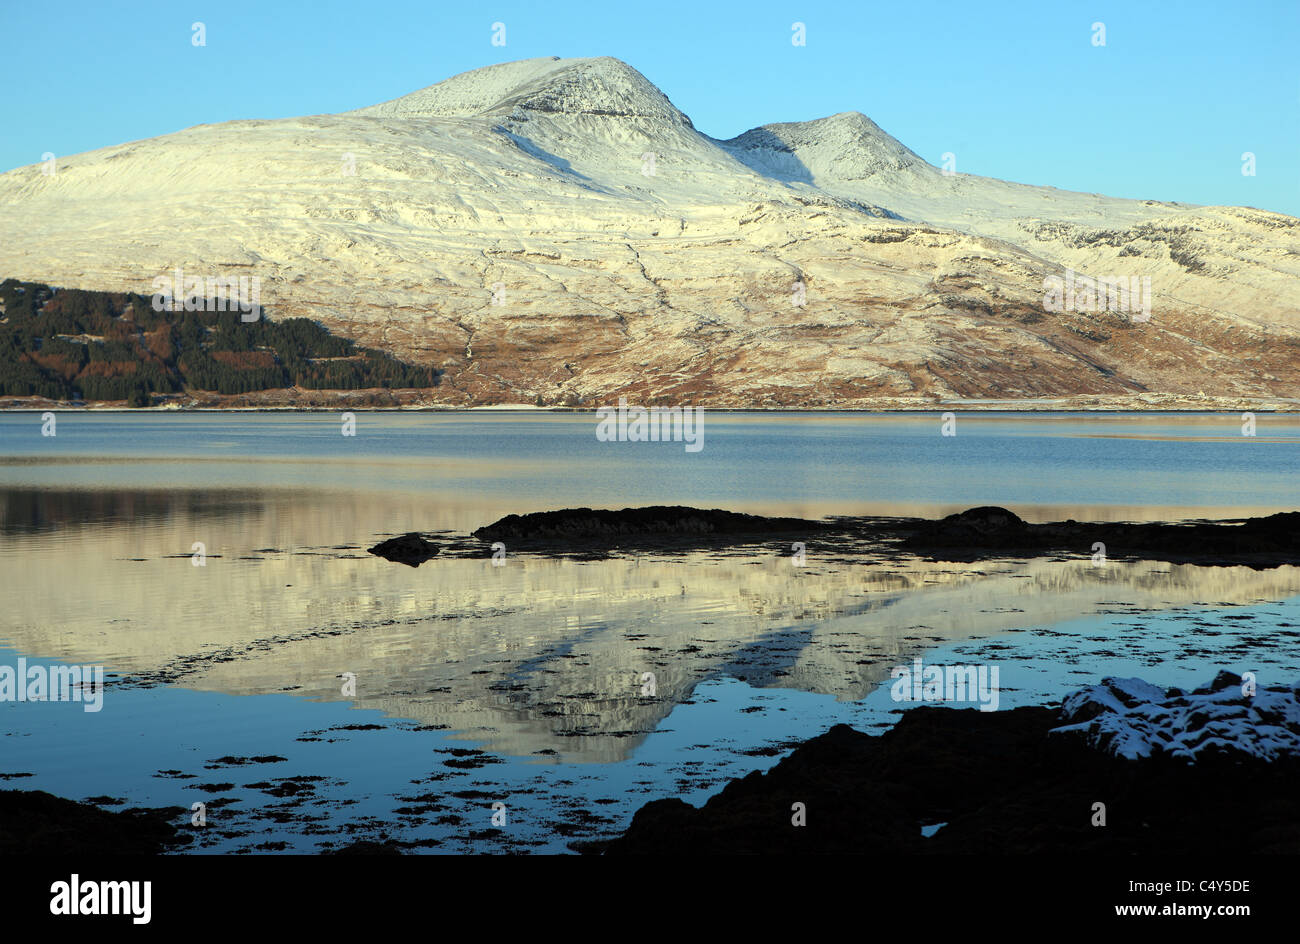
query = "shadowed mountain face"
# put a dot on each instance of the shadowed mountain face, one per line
(556, 229)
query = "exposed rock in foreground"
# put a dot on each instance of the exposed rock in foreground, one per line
(999, 784)
(410, 549)
(1132, 718)
(976, 531)
(656, 520)
(33, 822)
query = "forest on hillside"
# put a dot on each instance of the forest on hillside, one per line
(70, 344)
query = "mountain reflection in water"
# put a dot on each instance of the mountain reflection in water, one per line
(538, 656)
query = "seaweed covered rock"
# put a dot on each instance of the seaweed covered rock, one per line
(33, 822)
(410, 549)
(986, 526)
(977, 532)
(658, 521)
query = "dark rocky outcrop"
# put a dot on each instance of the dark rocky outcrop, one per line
(656, 521)
(986, 526)
(410, 549)
(979, 533)
(33, 822)
(997, 780)
(1252, 541)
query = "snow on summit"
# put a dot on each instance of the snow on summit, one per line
(594, 86)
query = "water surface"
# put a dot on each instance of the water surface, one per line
(526, 683)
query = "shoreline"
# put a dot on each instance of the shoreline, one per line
(1291, 409)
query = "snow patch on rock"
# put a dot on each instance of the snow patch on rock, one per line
(1132, 718)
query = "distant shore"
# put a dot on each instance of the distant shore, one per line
(1019, 407)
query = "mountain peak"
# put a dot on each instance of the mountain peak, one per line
(645, 259)
(845, 146)
(600, 85)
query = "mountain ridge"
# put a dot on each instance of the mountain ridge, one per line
(556, 230)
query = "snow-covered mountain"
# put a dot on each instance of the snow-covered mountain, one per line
(558, 229)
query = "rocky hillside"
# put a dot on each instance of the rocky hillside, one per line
(556, 231)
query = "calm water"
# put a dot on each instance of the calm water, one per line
(526, 684)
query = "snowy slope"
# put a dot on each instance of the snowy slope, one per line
(556, 228)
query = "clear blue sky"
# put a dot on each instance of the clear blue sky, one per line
(1164, 111)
